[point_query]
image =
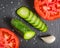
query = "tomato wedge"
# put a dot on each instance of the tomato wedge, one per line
(8, 39)
(48, 9)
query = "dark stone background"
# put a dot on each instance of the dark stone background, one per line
(7, 11)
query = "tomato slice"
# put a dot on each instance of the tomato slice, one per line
(8, 39)
(48, 9)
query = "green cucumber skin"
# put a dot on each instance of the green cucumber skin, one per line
(21, 27)
(31, 19)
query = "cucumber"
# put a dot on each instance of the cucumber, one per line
(24, 30)
(37, 22)
(39, 25)
(25, 12)
(31, 18)
(43, 26)
(45, 29)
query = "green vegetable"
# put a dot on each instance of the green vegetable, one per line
(24, 30)
(32, 18)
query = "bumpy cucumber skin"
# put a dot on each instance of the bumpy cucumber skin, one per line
(43, 27)
(22, 29)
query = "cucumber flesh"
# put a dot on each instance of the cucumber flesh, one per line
(29, 35)
(42, 27)
(23, 12)
(45, 29)
(33, 20)
(30, 16)
(24, 30)
(39, 25)
(36, 23)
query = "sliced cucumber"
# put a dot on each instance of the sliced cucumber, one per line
(45, 29)
(33, 20)
(29, 35)
(39, 25)
(30, 16)
(23, 12)
(24, 30)
(36, 23)
(42, 27)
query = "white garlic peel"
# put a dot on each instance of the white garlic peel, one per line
(49, 39)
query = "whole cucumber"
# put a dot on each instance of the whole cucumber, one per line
(32, 18)
(24, 30)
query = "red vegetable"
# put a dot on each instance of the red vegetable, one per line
(8, 39)
(48, 9)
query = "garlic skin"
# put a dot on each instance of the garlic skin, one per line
(49, 39)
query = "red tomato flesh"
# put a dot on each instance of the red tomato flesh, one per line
(8, 39)
(48, 9)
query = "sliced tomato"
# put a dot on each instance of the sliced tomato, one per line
(48, 9)
(8, 39)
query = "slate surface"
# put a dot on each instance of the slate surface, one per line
(7, 11)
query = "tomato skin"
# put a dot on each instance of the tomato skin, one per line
(13, 38)
(41, 13)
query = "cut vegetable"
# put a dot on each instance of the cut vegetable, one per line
(24, 30)
(8, 39)
(37, 22)
(25, 12)
(31, 18)
(48, 9)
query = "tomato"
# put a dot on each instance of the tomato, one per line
(8, 39)
(48, 9)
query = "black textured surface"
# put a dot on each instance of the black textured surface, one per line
(7, 11)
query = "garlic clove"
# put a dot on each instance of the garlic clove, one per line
(49, 39)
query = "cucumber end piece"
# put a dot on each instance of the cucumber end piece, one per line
(29, 35)
(23, 12)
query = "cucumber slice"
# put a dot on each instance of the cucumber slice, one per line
(37, 22)
(42, 27)
(39, 25)
(45, 29)
(24, 30)
(30, 16)
(23, 12)
(33, 20)
(29, 35)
